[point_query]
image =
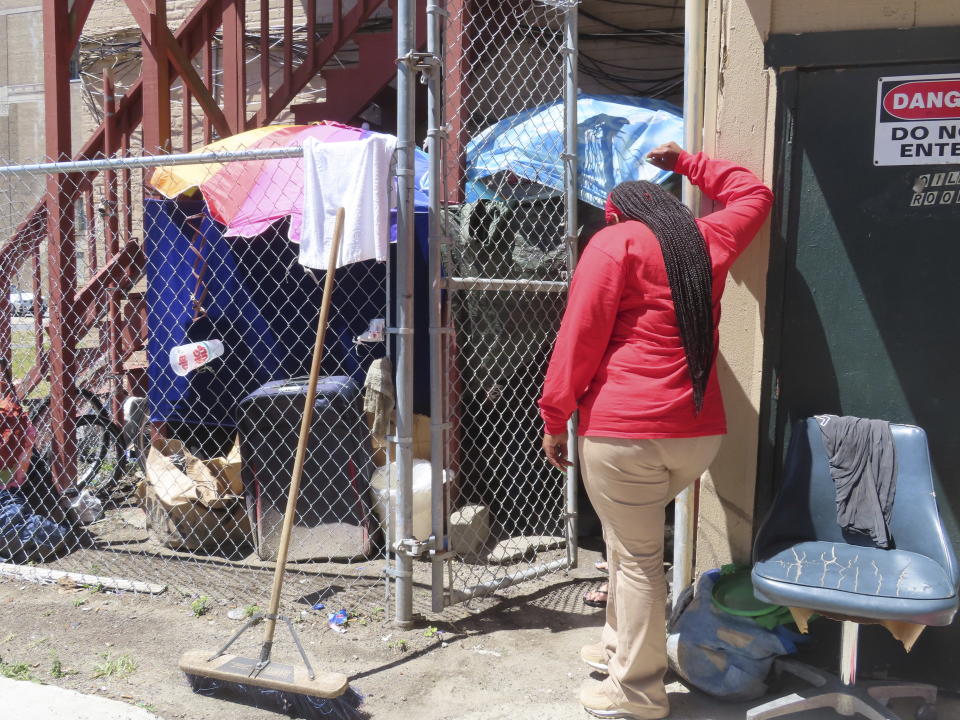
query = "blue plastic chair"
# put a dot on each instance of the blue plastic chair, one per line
(803, 559)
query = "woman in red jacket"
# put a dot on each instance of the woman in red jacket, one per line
(636, 357)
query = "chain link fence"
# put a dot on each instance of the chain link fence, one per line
(172, 309)
(156, 333)
(503, 208)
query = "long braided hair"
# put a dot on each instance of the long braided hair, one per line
(689, 270)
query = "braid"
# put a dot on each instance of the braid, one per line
(688, 270)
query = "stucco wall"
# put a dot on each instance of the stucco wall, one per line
(739, 125)
(21, 112)
(735, 127)
(789, 16)
(21, 78)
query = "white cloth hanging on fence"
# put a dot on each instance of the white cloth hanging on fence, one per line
(355, 175)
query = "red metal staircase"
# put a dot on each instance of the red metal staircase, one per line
(167, 56)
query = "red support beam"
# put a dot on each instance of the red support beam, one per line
(62, 246)
(186, 140)
(6, 322)
(206, 66)
(311, 9)
(111, 230)
(155, 71)
(288, 44)
(264, 57)
(126, 230)
(91, 228)
(78, 17)
(234, 65)
(37, 277)
(110, 146)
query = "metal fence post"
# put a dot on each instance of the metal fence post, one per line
(694, 39)
(406, 142)
(571, 184)
(438, 418)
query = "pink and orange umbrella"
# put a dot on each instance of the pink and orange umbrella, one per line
(247, 196)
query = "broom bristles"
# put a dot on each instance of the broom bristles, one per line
(308, 707)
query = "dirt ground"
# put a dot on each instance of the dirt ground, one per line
(513, 656)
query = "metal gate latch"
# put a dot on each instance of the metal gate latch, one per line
(422, 61)
(411, 547)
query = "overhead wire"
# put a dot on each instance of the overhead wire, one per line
(635, 79)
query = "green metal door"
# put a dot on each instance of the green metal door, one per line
(864, 305)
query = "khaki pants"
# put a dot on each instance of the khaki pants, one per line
(630, 482)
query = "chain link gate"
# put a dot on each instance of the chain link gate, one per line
(503, 244)
(140, 274)
(200, 511)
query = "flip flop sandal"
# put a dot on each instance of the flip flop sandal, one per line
(592, 602)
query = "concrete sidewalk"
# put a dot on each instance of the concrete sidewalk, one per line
(25, 700)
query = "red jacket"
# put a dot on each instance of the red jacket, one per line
(619, 358)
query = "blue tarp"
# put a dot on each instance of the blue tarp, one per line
(615, 133)
(263, 306)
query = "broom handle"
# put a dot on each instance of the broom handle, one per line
(288, 516)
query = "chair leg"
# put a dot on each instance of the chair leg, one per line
(885, 692)
(870, 700)
(805, 672)
(843, 702)
(866, 708)
(790, 704)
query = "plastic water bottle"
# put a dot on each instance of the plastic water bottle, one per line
(87, 506)
(184, 358)
(374, 332)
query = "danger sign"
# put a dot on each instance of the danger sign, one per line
(918, 120)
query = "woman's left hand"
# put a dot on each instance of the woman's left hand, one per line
(555, 448)
(665, 156)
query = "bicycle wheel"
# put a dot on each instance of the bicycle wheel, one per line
(96, 454)
(38, 408)
(96, 443)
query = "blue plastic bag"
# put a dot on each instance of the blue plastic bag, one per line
(721, 654)
(24, 535)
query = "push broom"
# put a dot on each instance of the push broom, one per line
(261, 682)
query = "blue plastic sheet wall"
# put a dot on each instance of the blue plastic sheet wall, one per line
(260, 303)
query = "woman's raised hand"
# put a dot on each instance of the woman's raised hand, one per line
(665, 156)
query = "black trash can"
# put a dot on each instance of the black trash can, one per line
(333, 518)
